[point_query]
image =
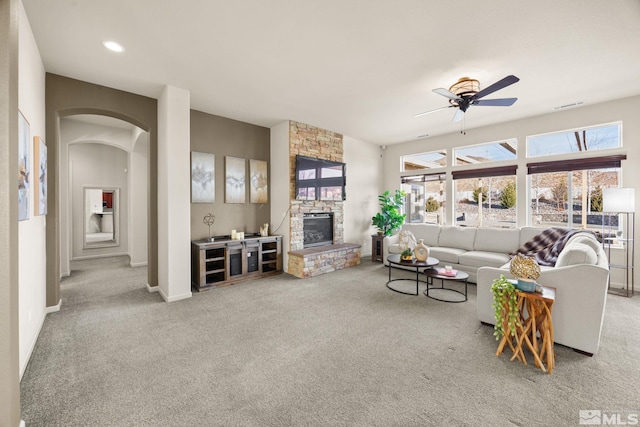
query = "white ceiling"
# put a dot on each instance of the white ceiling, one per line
(363, 68)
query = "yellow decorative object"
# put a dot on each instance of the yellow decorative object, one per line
(524, 268)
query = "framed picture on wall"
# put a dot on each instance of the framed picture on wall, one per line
(202, 177)
(40, 184)
(24, 167)
(258, 181)
(235, 170)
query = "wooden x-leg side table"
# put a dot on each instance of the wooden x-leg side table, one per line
(535, 329)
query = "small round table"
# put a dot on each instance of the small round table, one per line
(433, 273)
(394, 260)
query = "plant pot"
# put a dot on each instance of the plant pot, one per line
(406, 257)
(526, 285)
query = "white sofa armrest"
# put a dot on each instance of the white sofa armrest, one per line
(388, 240)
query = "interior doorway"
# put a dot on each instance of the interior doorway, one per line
(103, 190)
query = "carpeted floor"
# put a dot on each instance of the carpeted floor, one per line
(336, 350)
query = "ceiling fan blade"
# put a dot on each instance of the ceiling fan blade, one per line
(447, 94)
(501, 84)
(502, 102)
(432, 111)
(458, 116)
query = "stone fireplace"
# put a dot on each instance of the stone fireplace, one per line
(333, 254)
(317, 229)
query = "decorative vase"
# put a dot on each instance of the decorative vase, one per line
(421, 251)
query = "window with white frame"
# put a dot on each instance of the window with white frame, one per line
(582, 140)
(485, 153)
(568, 193)
(431, 160)
(486, 197)
(425, 198)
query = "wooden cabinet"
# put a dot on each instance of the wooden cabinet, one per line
(225, 261)
(376, 247)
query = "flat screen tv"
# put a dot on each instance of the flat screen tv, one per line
(318, 179)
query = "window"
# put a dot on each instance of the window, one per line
(432, 160)
(576, 140)
(569, 193)
(424, 202)
(484, 153)
(492, 188)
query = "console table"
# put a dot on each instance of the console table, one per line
(225, 261)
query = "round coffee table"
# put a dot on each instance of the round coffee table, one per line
(394, 260)
(433, 273)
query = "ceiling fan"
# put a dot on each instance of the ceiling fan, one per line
(466, 92)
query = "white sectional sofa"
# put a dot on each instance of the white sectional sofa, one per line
(580, 275)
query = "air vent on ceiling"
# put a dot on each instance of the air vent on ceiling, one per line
(574, 104)
(426, 135)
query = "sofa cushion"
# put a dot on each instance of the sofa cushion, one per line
(446, 255)
(577, 253)
(483, 259)
(457, 237)
(501, 240)
(427, 232)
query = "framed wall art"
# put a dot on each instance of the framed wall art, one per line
(24, 166)
(259, 181)
(40, 184)
(235, 170)
(202, 177)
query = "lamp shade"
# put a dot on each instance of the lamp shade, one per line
(618, 200)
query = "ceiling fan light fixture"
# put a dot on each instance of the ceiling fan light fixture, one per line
(465, 86)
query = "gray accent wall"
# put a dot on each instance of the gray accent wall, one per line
(227, 137)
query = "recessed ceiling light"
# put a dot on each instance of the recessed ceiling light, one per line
(113, 46)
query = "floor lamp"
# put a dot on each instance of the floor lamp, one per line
(621, 201)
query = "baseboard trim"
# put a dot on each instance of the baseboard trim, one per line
(53, 308)
(80, 258)
(175, 297)
(152, 288)
(137, 264)
(22, 423)
(32, 345)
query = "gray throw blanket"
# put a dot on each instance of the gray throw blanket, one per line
(546, 246)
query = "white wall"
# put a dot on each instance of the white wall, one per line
(32, 252)
(279, 186)
(100, 166)
(626, 110)
(139, 200)
(364, 183)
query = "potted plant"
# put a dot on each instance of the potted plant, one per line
(389, 218)
(505, 305)
(406, 255)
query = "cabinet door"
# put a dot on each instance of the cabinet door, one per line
(235, 259)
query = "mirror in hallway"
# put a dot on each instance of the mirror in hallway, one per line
(101, 217)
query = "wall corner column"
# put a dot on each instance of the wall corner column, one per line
(174, 217)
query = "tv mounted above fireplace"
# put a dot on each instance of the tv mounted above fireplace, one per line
(318, 179)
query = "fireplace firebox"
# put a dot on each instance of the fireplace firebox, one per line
(317, 229)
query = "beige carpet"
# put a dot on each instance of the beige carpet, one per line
(336, 350)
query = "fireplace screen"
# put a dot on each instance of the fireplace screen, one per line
(317, 229)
